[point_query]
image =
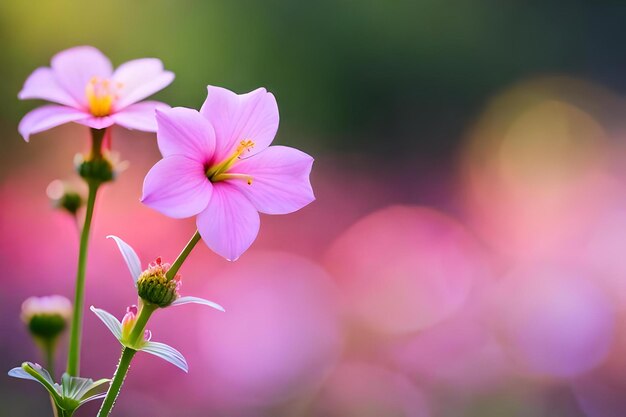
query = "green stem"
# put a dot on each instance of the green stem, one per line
(55, 409)
(140, 325)
(116, 383)
(171, 273)
(97, 136)
(49, 349)
(48, 346)
(73, 358)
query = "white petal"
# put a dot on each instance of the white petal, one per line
(130, 256)
(42, 376)
(197, 300)
(168, 353)
(93, 397)
(18, 372)
(110, 321)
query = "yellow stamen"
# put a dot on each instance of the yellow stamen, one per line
(223, 177)
(218, 172)
(101, 94)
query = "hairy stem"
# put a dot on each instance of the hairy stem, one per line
(116, 383)
(171, 273)
(136, 334)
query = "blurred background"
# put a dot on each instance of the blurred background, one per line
(464, 257)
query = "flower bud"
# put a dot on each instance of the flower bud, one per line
(128, 322)
(98, 170)
(64, 197)
(154, 287)
(46, 317)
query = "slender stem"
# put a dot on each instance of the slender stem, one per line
(49, 349)
(73, 358)
(97, 136)
(140, 325)
(55, 409)
(183, 255)
(116, 383)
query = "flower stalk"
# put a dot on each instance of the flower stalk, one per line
(171, 273)
(136, 338)
(118, 380)
(73, 358)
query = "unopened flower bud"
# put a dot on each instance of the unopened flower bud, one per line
(46, 317)
(154, 287)
(64, 196)
(128, 322)
(98, 170)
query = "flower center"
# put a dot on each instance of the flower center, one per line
(220, 172)
(101, 94)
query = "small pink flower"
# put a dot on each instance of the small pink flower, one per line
(88, 91)
(217, 164)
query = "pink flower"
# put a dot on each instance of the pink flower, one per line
(217, 164)
(88, 91)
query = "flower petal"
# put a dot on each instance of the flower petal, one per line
(42, 84)
(19, 372)
(230, 222)
(78, 388)
(130, 256)
(252, 116)
(47, 117)
(183, 131)
(197, 300)
(75, 67)
(96, 122)
(83, 389)
(35, 372)
(280, 183)
(177, 187)
(93, 397)
(109, 320)
(140, 78)
(166, 352)
(140, 116)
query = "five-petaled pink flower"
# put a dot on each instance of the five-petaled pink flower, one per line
(88, 91)
(217, 164)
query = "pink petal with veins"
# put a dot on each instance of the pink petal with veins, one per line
(252, 116)
(280, 183)
(183, 131)
(230, 222)
(177, 187)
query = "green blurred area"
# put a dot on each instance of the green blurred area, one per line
(375, 76)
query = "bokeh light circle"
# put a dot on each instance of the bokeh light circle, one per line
(404, 268)
(553, 321)
(359, 389)
(280, 334)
